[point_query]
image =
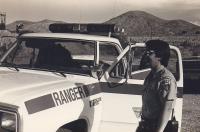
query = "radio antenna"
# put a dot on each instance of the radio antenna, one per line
(115, 8)
(80, 14)
(2, 20)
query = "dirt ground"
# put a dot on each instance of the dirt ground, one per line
(191, 113)
(191, 103)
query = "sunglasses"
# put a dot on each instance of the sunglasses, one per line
(149, 52)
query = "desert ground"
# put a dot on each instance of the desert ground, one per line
(191, 103)
(191, 113)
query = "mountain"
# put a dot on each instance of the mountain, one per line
(12, 26)
(40, 26)
(140, 23)
(135, 23)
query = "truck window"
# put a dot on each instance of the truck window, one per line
(6, 42)
(173, 64)
(53, 54)
(120, 69)
(107, 52)
(24, 55)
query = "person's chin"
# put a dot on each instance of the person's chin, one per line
(152, 67)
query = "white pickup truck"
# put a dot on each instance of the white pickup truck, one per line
(71, 82)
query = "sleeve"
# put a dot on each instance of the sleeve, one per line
(167, 89)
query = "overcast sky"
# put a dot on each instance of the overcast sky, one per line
(97, 10)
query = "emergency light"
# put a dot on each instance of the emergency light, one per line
(100, 29)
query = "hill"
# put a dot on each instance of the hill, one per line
(40, 26)
(140, 23)
(135, 23)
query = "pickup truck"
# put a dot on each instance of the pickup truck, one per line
(75, 82)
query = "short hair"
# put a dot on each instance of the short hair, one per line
(161, 49)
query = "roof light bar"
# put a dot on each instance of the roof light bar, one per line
(101, 29)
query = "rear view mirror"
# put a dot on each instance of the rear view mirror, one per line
(97, 71)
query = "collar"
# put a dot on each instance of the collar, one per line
(157, 72)
(160, 68)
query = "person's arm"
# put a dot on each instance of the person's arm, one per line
(167, 92)
(164, 117)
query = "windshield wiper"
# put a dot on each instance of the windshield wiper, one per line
(49, 69)
(9, 65)
(61, 73)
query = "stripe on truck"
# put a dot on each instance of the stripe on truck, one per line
(39, 104)
(73, 94)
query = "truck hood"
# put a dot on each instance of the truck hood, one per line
(21, 86)
(13, 80)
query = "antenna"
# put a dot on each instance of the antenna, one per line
(2, 24)
(2, 20)
(115, 8)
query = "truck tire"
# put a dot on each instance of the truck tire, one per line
(75, 126)
(63, 130)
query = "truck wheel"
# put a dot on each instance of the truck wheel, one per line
(63, 130)
(75, 126)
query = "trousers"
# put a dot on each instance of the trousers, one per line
(147, 125)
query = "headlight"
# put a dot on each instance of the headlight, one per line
(8, 121)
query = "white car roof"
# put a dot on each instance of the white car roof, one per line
(71, 36)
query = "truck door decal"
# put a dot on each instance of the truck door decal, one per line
(69, 95)
(61, 97)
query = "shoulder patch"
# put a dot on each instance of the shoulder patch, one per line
(165, 81)
(164, 87)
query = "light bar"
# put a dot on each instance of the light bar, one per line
(82, 28)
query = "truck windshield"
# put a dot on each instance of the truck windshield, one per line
(70, 56)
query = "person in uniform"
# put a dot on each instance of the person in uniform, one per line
(159, 89)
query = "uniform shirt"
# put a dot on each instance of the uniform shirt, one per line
(160, 86)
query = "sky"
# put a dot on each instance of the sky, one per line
(84, 11)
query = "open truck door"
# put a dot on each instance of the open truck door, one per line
(122, 87)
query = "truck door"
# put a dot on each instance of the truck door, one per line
(122, 96)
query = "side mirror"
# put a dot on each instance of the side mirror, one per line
(97, 71)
